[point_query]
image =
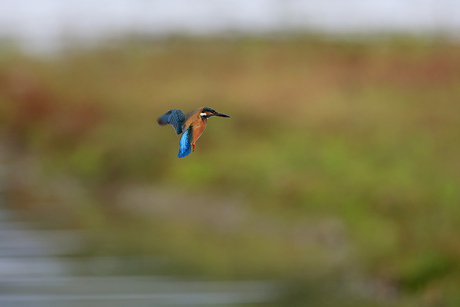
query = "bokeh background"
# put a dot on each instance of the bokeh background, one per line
(334, 183)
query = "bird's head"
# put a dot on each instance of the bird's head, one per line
(208, 112)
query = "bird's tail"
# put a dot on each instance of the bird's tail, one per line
(185, 143)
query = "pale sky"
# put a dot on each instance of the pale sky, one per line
(36, 23)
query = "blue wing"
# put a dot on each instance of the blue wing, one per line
(185, 143)
(174, 117)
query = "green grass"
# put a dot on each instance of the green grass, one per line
(340, 160)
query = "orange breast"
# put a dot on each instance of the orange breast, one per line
(198, 129)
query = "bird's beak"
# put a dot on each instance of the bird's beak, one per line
(221, 115)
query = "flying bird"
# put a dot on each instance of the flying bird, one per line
(191, 126)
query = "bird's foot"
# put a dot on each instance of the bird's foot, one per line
(193, 146)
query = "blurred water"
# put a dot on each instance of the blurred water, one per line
(48, 268)
(49, 24)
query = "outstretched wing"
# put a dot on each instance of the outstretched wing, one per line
(185, 143)
(173, 117)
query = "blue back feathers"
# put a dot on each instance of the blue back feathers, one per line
(185, 143)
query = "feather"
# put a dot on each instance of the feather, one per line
(173, 117)
(185, 143)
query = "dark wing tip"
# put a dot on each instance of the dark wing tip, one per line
(164, 119)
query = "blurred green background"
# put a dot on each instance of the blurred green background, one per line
(338, 172)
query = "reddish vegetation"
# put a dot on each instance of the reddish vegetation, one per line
(32, 105)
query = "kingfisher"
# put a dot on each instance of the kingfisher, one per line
(191, 126)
